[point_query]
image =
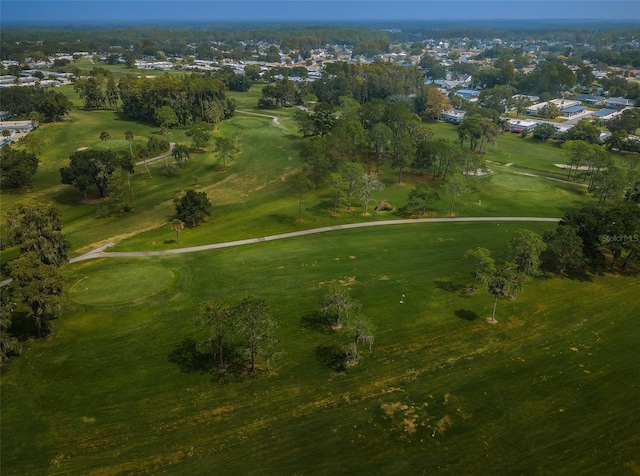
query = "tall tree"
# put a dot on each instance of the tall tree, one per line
(338, 190)
(177, 225)
(37, 227)
(565, 248)
(501, 284)
(362, 331)
(351, 173)
(621, 231)
(300, 184)
(421, 196)
(483, 264)
(200, 136)
(93, 167)
(338, 305)
(181, 154)
(225, 149)
(9, 344)
(39, 286)
(128, 135)
(402, 152)
(435, 102)
(166, 117)
(216, 320)
(112, 94)
(367, 185)
(380, 138)
(576, 152)
(524, 249)
(90, 91)
(192, 207)
(17, 167)
(120, 191)
(454, 185)
(258, 327)
(607, 184)
(104, 137)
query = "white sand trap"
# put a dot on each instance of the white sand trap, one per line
(565, 166)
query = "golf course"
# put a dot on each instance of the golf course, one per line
(551, 388)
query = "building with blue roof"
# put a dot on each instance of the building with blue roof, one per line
(573, 111)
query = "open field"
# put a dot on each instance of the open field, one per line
(547, 390)
(550, 389)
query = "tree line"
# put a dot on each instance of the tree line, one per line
(35, 103)
(582, 242)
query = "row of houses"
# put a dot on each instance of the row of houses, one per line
(10, 129)
(574, 107)
(43, 78)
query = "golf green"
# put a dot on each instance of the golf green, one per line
(519, 182)
(117, 285)
(248, 122)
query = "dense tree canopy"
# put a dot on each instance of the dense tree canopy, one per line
(17, 167)
(193, 98)
(93, 167)
(193, 207)
(37, 227)
(21, 100)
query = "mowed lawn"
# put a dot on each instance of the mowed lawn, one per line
(550, 389)
(250, 196)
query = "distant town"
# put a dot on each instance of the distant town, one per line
(601, 83)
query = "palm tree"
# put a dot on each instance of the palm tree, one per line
(129, 136)
(501, 284)
(177, 225)
(105, 136)
(181, 154)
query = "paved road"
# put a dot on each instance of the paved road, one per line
(273, 118)
(158, 157)
(101, 253)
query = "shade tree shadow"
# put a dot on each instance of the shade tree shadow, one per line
(449, 286)
(188, 359)
(466, 314)
(332, 357)
(317, 321)
(23, 326)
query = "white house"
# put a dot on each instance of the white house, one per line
(452, 115)
(16, 126)
(522, 125)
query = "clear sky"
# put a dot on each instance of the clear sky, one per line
(98, 11)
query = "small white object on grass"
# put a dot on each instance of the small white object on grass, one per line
(402, 299)
(433, 435)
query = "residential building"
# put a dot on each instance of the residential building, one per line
(605, 114)
(16, 126)
(452, 115)
(590, 99)
(468, 94)
(618, 103)
(522, 125)
(573, 111)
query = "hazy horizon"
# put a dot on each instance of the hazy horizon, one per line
(69, 12)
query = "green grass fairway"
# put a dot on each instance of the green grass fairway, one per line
(550, 389)
(520, 183)
(121, 284)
